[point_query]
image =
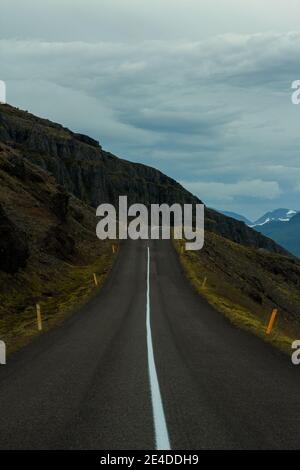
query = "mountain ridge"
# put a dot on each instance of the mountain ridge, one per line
(93, 175)
(236, 216)
(277, 215)
(285, 233)
(281, 225)
(50, 179)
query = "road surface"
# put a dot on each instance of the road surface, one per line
(149, 363)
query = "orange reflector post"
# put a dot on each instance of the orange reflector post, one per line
(271, 322)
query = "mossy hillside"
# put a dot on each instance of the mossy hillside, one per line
(246, 284)
(60, 250)
(60, 290)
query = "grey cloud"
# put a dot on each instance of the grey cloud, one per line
(257, 189)
(215, 113)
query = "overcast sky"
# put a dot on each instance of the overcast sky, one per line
(200, 89)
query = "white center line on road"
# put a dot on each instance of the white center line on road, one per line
(160, 425)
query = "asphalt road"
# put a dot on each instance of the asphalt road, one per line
(91, 383)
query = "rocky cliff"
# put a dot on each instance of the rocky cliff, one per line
(48, 249)
(83, 168)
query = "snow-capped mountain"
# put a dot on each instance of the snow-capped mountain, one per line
(278, 215)
(281, 225)
(287, 234)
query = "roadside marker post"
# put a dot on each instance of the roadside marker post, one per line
(204, 282)
(271, 322)
(39, 317)
(113, 248)
(95, 280)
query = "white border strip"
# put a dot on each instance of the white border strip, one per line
(2, 92)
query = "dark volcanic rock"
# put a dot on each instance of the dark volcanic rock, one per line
(13, 246)
(60, 204)
(59, 243)
(86, 140)
(83, 168)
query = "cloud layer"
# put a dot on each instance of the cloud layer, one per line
(214, 113)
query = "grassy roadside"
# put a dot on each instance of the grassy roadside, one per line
(60, 289)
(243, 307)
